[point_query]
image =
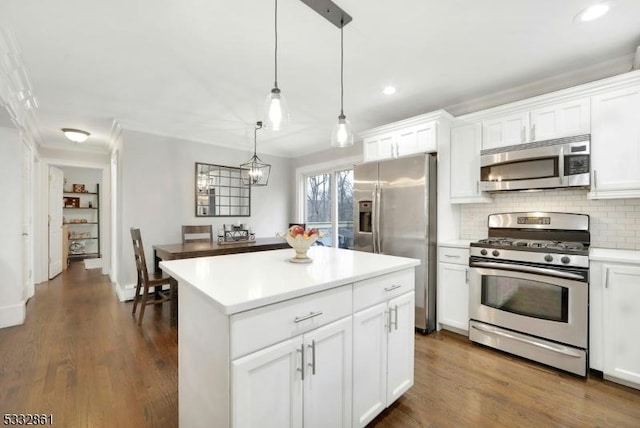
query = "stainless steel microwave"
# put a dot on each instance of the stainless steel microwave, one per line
(563, 162)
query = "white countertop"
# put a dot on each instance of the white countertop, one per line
(456, 243)
(240, 282)
(613, 255)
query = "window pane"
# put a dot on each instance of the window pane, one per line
(318, 205)
(344, 180)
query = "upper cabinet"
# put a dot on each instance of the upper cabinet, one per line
(543, 123)
(505, 131)
(415, 135)
(465, 164)
(615, 144)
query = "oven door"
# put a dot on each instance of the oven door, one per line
(542, 305)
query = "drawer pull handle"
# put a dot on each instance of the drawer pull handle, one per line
(451, 256)
(306, 317)
(393, 287)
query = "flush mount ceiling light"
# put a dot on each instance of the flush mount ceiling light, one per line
(593, 12)
(255, 172)
(75, 135)
(276, 111)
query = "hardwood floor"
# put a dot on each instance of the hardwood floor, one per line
(81, 357)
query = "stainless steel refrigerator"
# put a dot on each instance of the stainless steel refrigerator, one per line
(395, 214)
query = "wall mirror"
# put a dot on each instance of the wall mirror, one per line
(220, 192)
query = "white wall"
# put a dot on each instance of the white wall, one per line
(158, 195)
(12, 306)
(614, 223)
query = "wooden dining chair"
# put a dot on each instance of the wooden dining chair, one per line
(203, 233)
(146, 281)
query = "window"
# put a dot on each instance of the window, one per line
(328, 205)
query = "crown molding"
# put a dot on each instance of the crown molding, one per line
(437, 115)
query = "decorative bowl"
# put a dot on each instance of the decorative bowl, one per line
(300, 240)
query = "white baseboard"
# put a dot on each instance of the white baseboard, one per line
(92, 263)
(126, 292)
(12, 315)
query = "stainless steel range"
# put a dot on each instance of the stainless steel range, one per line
(529, 288)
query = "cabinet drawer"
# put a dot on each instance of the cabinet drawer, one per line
(379, 289)
(261, 327)
(459, 256)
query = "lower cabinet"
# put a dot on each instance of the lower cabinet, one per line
(303, 381)
(615, 322)
(453, 289)
(383, 356)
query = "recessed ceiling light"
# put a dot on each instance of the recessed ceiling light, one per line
(593, 12)
(389, 90)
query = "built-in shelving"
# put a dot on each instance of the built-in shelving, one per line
(90, 216)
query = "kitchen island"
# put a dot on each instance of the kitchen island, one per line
(270, 343)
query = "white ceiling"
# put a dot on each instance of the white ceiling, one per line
(200, 69)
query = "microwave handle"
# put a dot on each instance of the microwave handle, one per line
(561, 166)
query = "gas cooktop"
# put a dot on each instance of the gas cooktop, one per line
(533, 245)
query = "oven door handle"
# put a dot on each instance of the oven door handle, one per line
(529, 269)
(559, 349)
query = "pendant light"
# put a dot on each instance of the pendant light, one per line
(276, 111)
(255, 172)
(342, 135)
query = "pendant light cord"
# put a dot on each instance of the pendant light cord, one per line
(341, 68)
(255, 138)
(275, 84)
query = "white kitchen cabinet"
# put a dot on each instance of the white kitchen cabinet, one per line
(453, 289)
(555, 120)
(465, 164)
(621, 315)
(505, 131)
(271, 390)
(407, 137)
(564, 119)
(615, 145)
(614, 315)
(383, 343)
(382, 356)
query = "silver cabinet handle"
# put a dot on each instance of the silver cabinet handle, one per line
(25, 234)
(452, 256)
(395, 318)
(523, 134)
(478, 187)
(606, 281)
(301, 369)
(395, 311)
(595, 179)
(313, 357)
(561, 165)
(393, 287)
(533, 132)
(466, 275)
(306, 317)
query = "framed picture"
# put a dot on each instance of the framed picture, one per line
(71, 202)
(78, 188)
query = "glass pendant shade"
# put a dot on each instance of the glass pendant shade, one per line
(342, 136)
(276, 111)
(255, 172)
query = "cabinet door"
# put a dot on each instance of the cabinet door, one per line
(622, 323)
(369, 363)
(417, 139)
(267, 387)
(615, 144)
(328, 375)
(505, 131)
(465, 163)
(407, 142)
(561, 120)
(453, 295)
(400, 345)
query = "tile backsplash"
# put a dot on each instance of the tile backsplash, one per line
(615, 223)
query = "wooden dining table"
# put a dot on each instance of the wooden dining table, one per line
(204, 249)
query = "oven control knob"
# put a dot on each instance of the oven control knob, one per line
(548, 258)
(495, 253)
(483, 252)
(565, 259)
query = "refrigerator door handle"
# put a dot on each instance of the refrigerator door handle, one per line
(378, 208)
(374, 218)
